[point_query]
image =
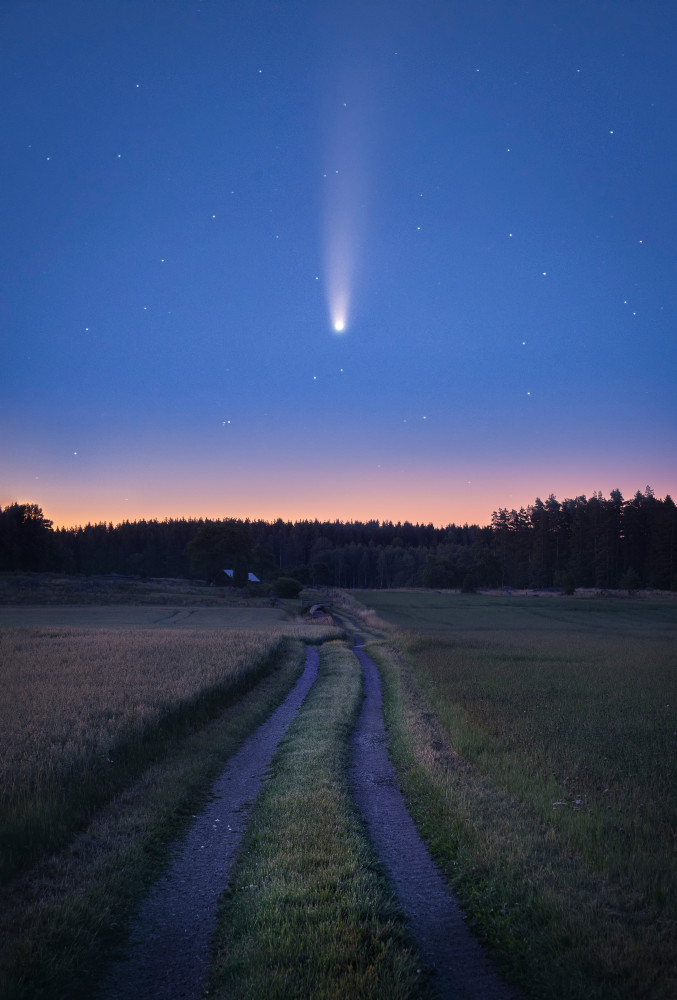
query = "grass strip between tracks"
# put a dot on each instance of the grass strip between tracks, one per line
(60, 921)
(309, 913)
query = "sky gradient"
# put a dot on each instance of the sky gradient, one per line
(480, 195)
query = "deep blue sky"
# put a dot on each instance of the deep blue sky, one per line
(174, 238)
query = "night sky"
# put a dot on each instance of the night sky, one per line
(388, 260)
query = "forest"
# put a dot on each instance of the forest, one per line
(608, 543)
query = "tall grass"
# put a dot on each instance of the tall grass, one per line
(308, 914)
(545, 781)
(61, 920)
(82, 712)
(582, 728)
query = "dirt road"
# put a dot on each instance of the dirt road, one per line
(462, 970)
(168, 951)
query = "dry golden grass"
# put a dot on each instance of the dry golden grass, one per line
(81, 708)
(63, 919)
(67, 692)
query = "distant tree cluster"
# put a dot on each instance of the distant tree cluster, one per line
(581, 542)
(589, 542)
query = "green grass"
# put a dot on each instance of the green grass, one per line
(308, 913)
(545, 778)
(483, 614)
(60, 920)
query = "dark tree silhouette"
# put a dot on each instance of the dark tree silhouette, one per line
(26, 539)
(576, 542)
(216, 546)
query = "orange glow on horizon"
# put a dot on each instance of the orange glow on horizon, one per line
(353, 493)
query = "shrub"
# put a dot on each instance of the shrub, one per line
(286, 586)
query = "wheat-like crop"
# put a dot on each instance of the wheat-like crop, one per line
(72, 702)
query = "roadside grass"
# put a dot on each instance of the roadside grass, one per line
(62, 920)
(544, 780)
(83, 711)
(308, 913)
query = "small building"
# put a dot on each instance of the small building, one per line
(250, 576)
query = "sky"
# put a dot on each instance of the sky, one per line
(404, 260)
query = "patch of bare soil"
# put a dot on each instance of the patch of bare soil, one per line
(168, 949)
(462, 970)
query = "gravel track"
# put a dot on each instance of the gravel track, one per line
(462, 969)
(167, 955)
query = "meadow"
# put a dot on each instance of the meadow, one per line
(84, 707)
(544, 778)
(111, 589)
(111, 736)
(82, 710)
(535, 742)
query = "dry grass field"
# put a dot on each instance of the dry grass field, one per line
(79, 707)
(114, 720)
(120, 616)
(90, 693)
(57, 588)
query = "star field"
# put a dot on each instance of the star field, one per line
(396, 262)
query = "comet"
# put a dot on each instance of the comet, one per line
(341, 246)
(344, 204)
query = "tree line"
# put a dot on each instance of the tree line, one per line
(581, 542)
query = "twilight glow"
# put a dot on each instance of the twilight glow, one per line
(475, 202)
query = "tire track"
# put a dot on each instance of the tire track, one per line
(167, 955)
(463, 971)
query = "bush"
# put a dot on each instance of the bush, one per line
(286, 586)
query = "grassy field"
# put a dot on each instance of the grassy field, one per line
(545, 777)
(83, 711)
(91, 695)
(114, 721)
(308, 914)
(535, 740)
(61, 589)
(121, 616)
(62, 919)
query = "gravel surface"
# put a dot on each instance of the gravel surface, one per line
(167, 955)
(168, 951)
(461, 966)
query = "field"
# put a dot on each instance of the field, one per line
(114, 721)
(535, 741)
(545, 778)
(59, 589)
(82, 710)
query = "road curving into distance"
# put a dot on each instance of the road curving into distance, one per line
(461, 969)
(167, 955)
(168, 951)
